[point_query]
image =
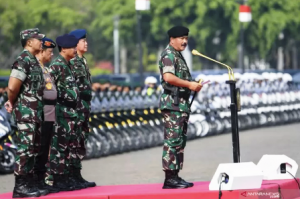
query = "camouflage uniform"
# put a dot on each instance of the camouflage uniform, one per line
(62, 144)
(175, 116)
(27, 110)
(83, 79)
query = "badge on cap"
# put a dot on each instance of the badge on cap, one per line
(47, 43)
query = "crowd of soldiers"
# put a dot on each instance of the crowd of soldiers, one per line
(50, 106)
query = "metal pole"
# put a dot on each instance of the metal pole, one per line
(116, 45)
(139, 34)
(234, 122)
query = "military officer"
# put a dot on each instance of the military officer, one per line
(83, 79)
(49, 102)
(66, 115)
(174, 105)
(25, 91)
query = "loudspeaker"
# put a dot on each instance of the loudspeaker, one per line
(235, 176)
(276, 167)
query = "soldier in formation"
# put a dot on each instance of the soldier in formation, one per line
(174, 104)
(83, 79)
(25, 92)
(64, 135)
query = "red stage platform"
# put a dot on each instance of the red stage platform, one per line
(269, 189)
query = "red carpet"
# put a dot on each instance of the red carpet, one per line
(269, 189)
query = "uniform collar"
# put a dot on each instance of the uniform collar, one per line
(29, 53)
(64, 60)
(173, 50)
(82, 59)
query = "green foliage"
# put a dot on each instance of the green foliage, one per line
(270, 18)
(99, 71)
(206, 19)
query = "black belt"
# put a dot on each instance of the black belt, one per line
(85, 97)
(183, 95)
(67, 103)
(49, 102)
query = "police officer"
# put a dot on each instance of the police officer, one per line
(174, 105)
(49, 101)
(83, 79)
(66, 115)
(25, 90)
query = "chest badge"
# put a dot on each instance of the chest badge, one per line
(49, 86)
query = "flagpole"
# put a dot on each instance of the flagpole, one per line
(244, 16)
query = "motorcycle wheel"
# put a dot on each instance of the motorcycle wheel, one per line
(7, 160)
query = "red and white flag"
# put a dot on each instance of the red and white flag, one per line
(245, 13)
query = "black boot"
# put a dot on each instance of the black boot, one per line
(172, 181)
(76, 182)
(190, 184)
(23, 189)
(62, 183)
(33, 179)
(43, 185)
(71, 183)
(77, 174)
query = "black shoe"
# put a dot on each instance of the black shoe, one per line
(77, 175)
(76, 183)
(173, 182)
(23, 189)
(43, 185)
(190, 184)
(51, 189)
(70, 182)
(61, 182)
(33, 179)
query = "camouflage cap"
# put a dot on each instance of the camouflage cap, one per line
(31, 33)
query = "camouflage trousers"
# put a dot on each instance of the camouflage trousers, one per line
(175, 131)
(62, 146)
(28, 140)
(84, 118)
(82, 131)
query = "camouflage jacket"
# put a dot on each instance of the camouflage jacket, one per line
(83, 79)
(67, 91)
(171, 61)
(28, 106)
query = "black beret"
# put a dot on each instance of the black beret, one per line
(178, 31)
(48, 43)
(67, 41)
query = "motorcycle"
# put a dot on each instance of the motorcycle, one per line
(7, 145)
